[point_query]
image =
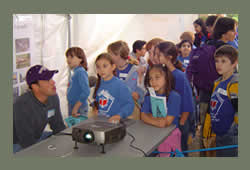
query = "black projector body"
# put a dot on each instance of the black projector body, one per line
(98, 132)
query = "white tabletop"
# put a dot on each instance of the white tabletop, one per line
(147, 138)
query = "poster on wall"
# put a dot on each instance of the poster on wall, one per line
(22, 45)
(22, 61)
(22, 52)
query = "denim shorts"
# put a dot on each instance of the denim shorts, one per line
(230, 138)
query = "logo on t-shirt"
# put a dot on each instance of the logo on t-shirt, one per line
(105, 101)
(215, 105)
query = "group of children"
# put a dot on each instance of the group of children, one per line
(124, 80)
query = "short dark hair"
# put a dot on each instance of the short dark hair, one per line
(138, 44)
(30, 86)
(222, 26)
(228, 51)
(211, 20)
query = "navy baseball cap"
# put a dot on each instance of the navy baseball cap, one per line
(39, 72)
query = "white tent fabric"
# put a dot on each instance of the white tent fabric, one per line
(93, 33)
(51, 42)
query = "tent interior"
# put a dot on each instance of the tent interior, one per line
(44, 38)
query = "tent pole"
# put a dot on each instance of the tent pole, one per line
(69, 40)
(69, 30)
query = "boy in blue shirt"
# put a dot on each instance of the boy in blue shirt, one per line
(224, 101)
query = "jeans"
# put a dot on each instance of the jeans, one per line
(185, 129)
(230, 138)
(83, 110)
(17, 147)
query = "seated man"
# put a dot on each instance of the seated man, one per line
(36, 108)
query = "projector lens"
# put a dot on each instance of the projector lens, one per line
(88, 137)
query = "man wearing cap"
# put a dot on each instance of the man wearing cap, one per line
(33, 110)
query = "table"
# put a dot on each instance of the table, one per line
(147, 138)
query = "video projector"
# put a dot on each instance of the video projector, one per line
(98, 132)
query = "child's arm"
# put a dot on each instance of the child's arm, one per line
(158, 122)
(76, 108)
(137, 92)
(184, 117)
(126, 102)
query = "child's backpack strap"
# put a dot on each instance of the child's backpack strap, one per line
(216, 83)
(232, 91)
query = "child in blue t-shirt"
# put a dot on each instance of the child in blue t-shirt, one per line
(185, 47)
(125, 71)
(78, 88)
(168, 110)
(224, 101)
(112, 97)
(167, 54)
